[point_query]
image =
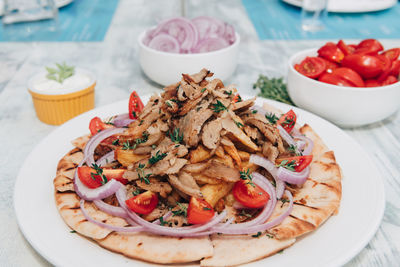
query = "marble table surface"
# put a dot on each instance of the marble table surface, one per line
(115, 63)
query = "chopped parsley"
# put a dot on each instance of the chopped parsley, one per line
(157, 157)
(99, 172)
(245, 175)
(182, 211)
(175, 136)
(257, 235)
(142, 175)
(290, 165)
(271, 117)
(218, 107)
(115, 142)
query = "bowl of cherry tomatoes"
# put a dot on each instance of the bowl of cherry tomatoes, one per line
(348, 84)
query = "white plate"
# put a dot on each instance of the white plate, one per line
(59, 3)
(352, 6)
(333, 244)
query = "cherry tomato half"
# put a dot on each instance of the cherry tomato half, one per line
(368, 46)
(300, 162)
(347, 50)
(311, 67)
(389, 80)
(330, 66)
(135, 105)
(199, 211)
(96, 125)
(387, 64)
(392, 54)
(143, 203)
(334, 79)
(350, 76)
(287, 121)
(249, 194)
(366, 65)
(331, 52)
(372, 83)
(395, 69)
(91, 179)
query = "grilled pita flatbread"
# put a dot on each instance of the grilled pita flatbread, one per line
(152, 248)
(315, 202)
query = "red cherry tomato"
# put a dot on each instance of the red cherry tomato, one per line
(236, 98)
(392, 54)
(311, 67)
(330, 66)
(386, 67)
(334, 79)
(389, 80)
(199, 211)
(368, 46)
(287, 121)
(250, 194)
(96, 125)
(331, 52)
(372, 83)
(366, 65)
(91, 179)
(143, 203)
(346, 49)
(300, 162)
(395, 69)
(350, 76)
(135, 105)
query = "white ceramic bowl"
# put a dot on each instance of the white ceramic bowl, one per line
(344, 106)
(167, 68)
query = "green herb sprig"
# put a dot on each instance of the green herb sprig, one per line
(62, 72)
(142, 175)
(99, 172)
(245, 175)
(273, 88)
(218, 107)
(290, 165)
(182, 211)
(157, 157)
(175, 136)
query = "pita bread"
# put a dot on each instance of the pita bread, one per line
(314, 203)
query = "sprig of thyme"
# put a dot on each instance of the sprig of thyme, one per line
(141, 174)
(273, 88)
(271, 117)
(126, 145)
(246, 175)
(99, 172)
(290, 165)
(175, 136)
(182, 211)
(218, 107)
(157, 157)
(62, 72)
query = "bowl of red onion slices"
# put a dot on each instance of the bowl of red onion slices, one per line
(180, 45)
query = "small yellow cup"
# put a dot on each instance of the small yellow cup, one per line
(55, 109)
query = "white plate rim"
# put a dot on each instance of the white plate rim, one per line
(18, 196)
(333, 6)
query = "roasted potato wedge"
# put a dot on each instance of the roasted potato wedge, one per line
(244, 156)
(232, 151)
(127, 157)
(214, 192)
(199, 154)
(203, 179)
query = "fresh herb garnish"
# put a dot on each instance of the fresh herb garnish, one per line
(141, 122)
(59, 75)
(269, 235)
(162, 222)
(202, 90)
(284, 200)
(271, 117)
(157, 157)
(142, 175)
(293, 149)
(175, 136)
(136, 192)
(290, 165)
(206, 208)
(245, 175)
(289, 122)
(244, 213)
(228, 93)
(273, 88)
(99, 172)
(218, 107)
(126, 146)
(134, 114)
(238, 124)
(254, 111)
(72, 232)
(168, 103)
(182, 210)
(257, 235)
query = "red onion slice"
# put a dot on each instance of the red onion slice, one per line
(181, 29)
(309, 144)
(286, 136)
(122, 120)
(107, 158)
(101, 192)
(293, 177)
(110, 209)
(129, 229)
(166, 43)
(210, 44)
(272, 169)
(209, 27)
(96, 140)
(163, 230)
